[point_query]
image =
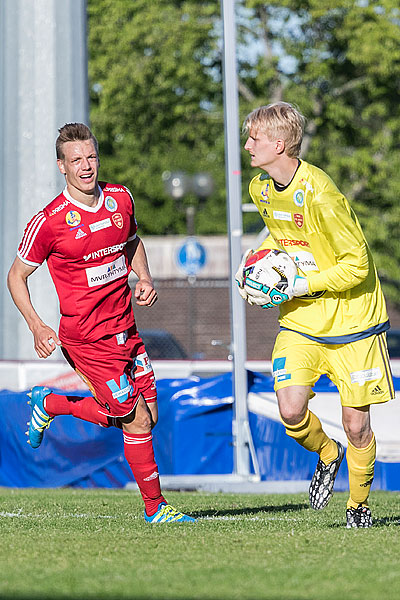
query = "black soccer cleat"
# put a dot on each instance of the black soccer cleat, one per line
(358, 517)
(321, 486)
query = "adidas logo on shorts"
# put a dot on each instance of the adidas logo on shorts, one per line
(377, 390)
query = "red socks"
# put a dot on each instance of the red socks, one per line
(82, 407)
(138, 449)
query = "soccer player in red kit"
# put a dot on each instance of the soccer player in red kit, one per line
(87, 235)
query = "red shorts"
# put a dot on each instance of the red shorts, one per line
(116, 369)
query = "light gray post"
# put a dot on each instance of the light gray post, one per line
(43, 70)
(234, 207)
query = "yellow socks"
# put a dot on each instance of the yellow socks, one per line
(309, 434)
(361, 462)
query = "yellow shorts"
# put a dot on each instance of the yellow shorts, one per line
(360, 370)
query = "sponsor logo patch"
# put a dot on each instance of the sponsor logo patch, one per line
(118, 220)
(104, 251)
(141, 365)
(120, 392)
(106, 273)
(304, 260)
(110, 203)
(280, 215)
(361, 377)
(279, 370)
(285, 242)
(98, 225)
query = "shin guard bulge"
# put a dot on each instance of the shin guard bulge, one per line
(361, 463)
(138, 449)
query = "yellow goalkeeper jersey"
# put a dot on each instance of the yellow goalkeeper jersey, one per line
(312, 221)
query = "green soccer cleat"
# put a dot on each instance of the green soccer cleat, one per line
(168, 514)
(40, 420)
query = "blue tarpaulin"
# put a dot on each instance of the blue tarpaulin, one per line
(193, 436)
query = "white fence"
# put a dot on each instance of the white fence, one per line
(22, 375)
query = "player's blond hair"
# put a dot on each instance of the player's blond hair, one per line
(278, 120)
(73, 132)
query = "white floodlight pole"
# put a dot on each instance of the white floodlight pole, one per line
(240, 423)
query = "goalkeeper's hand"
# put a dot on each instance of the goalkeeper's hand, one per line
(298, 286)
(239, 277)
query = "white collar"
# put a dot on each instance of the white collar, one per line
(81, 205)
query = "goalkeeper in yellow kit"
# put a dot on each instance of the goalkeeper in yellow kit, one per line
(335, 320)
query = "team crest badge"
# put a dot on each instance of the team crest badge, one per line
(298, 219)
(110, 203)
(72, 218)
(118, 220)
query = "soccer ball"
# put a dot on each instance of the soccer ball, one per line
(266, 277)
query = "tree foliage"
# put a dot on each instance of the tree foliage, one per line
(156, 104)
(156, 92)
(342, 68)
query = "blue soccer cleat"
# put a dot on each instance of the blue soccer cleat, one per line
(168, 514)
(40, 420)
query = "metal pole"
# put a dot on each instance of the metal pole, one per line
(234, 206)
(43, 70)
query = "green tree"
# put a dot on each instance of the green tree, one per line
(156, 103)
(341, 65)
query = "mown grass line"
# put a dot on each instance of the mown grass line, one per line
(95, 544)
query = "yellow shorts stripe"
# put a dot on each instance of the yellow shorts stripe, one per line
(386, 361)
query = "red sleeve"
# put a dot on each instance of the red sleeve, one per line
(133, 227)
(36, 241)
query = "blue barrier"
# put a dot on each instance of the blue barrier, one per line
(193, 436)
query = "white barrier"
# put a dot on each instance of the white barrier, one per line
(22, 375)
(18, 375)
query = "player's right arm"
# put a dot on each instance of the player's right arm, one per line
(45, 338)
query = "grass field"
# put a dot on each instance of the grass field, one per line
(95, 544)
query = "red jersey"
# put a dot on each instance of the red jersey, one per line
(85, 251)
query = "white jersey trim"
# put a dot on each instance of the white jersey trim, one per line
(28, 262)
(31, 233)
(81, 205)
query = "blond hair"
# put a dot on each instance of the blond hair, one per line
(73, 132)
(278, 120)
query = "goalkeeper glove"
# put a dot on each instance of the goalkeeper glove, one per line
(239, 277)
(298, 286)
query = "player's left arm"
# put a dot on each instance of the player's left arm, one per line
(340, 229)
(144, 293)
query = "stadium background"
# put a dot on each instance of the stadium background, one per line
(158, 107)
